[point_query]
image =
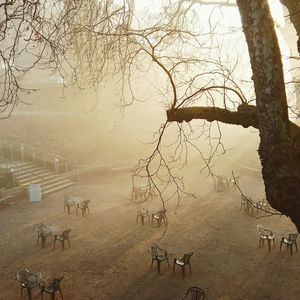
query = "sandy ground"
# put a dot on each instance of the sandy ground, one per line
(109, 258)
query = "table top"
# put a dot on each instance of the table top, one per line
(76, 199)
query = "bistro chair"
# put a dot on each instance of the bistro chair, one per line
(43, 232)
(159, 255)
(39, 229)
(27, 281)
(289, 242)
(184, 261)
(52, 288)
(142, 213)
(62, 238)
(159, 217)
(194, 293)
(84, 206)
(68, 203)
(265, 235)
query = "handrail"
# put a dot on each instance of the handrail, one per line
(11, 150)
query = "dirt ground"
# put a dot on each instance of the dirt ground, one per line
(109, 259)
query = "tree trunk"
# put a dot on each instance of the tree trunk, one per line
(280, 163)
(293, 7)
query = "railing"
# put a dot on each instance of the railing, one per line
(21, 152)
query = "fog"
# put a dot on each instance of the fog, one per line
(110, 126)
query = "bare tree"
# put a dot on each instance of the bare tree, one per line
(89, 41)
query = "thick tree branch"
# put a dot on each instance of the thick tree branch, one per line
(244, 118)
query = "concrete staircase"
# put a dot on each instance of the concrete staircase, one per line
(26, 173)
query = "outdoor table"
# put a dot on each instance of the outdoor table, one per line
(76, 201)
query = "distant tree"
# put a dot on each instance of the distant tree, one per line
(86, 41)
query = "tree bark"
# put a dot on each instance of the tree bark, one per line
(293, 6)
(280, 163)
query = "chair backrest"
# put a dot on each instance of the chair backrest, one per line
(22, 276)
(65, 233)
(153, 249)
(85, 203)
(292, 237)
(55, 284)
(194, 293)
(39, 227)
(260, 229)
(186, 257)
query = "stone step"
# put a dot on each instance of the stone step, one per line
(20, 172)
(27, 173)
(57, 188)
(37, 174)
(44, 180)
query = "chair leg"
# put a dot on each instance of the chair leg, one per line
(61, 293)
(174, 266)
(190, 268)
(43, 238)
(69, 243)
(29, 293)
(296, 246)
(42, 295)
(269, 244)
(63, 244)
(152, 264)
(158, 266)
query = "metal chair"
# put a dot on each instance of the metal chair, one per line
(184, 261)
(84, 206)
(289, 242)
(194, 293)
(39, 228)
(265, 235)
(43, 232)
(52, 288)
(27, 281)
(142, 213)
(159, 216)
(62, 238)
(68, 203)
(159, 255)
